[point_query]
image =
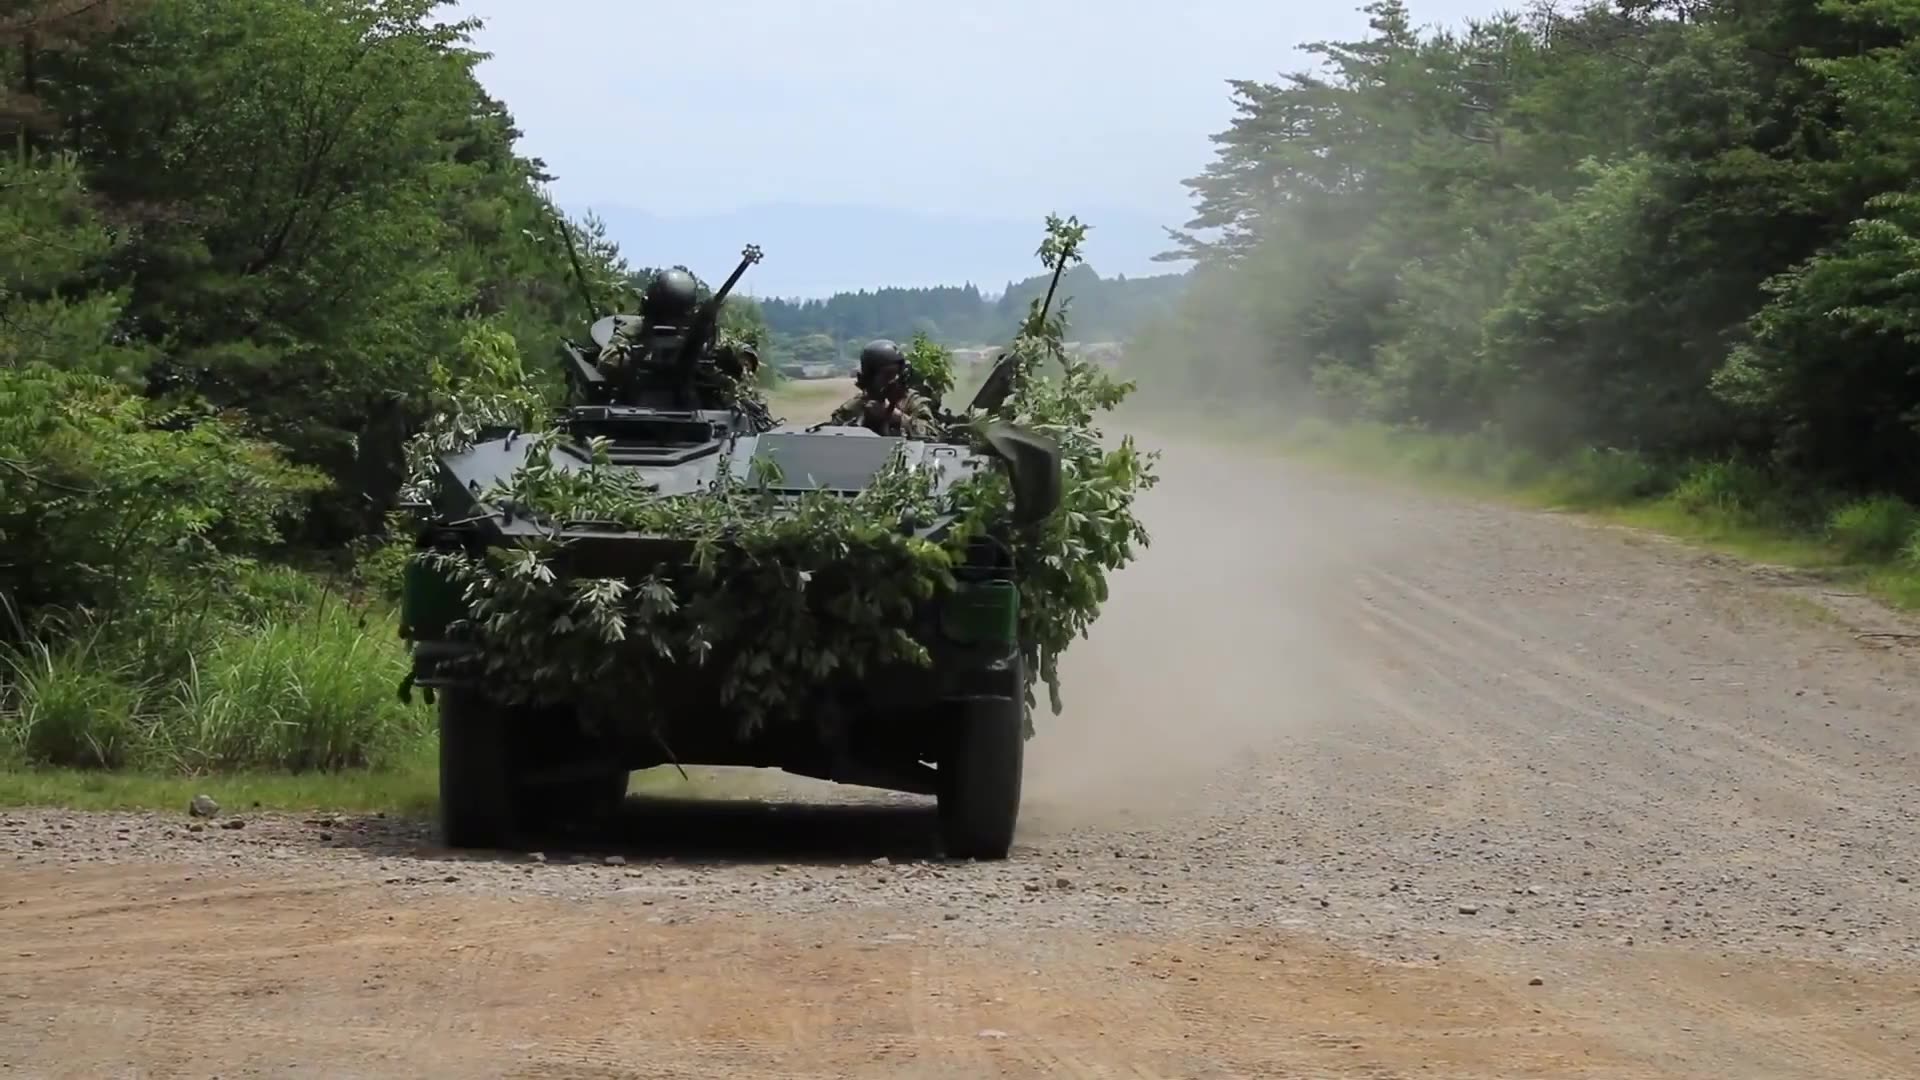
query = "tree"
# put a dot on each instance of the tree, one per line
(1673, 226)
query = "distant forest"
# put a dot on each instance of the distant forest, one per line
(833, 329)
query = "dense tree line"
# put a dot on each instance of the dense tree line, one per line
(1104, 309)
(1689, 228)
(243, 246)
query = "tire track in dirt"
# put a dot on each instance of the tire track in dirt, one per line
(1774, 806)
(1741, 1018)
(1531, 647)
(1510, 703)
(356, 982)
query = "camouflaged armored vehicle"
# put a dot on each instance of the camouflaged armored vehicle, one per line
(955, 730)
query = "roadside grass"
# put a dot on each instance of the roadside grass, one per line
(1735, 507)
(285, 696)
(408, 791)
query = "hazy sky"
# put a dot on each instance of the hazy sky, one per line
(987, 108)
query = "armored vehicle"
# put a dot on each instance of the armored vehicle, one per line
(648, 387)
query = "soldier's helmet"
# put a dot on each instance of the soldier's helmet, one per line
(670, 297)
(876, 358)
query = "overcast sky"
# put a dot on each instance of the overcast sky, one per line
(990, 108)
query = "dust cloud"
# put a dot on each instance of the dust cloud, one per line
(1225, 633)
(1221, 636)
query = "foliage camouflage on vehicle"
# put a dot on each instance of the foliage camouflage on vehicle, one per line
(784, 600)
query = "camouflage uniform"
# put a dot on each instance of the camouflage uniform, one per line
(916, 416)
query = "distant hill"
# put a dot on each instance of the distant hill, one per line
(818, 251)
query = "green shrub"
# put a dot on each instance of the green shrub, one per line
(1874, 529)
(1732, 491)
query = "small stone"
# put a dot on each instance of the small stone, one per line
(203, 806)
(883, 861)
(196, 827)
(537, 856)
(1536, 981)
(1062, 883)
(1469, 909)
(616, 860)
(233, 823)
(992, 1033)
(1031, 886)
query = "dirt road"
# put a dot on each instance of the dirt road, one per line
(1349, 784)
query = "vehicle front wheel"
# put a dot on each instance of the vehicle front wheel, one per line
(978, 779)
(476, 771)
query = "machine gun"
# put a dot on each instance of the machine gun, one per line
(662, 361)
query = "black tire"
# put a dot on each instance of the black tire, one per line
(978, 780)
(477, 789)
(486, 797)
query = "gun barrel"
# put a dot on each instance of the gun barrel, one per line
(747, 258)
(709, 315)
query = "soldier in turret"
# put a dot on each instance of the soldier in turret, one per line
(669, 302)
(886, 404)
(670, 298)
(737, 357)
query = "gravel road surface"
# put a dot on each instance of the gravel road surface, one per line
(1350, 783)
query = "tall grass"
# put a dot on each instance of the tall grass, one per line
(320, 693)
(67, 708)
(290, 677)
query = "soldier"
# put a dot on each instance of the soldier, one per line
(670, 298)
(738, 358)
(669, 301)
(886, 404)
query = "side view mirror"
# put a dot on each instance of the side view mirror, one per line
(998, 386)
(1033, 470)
